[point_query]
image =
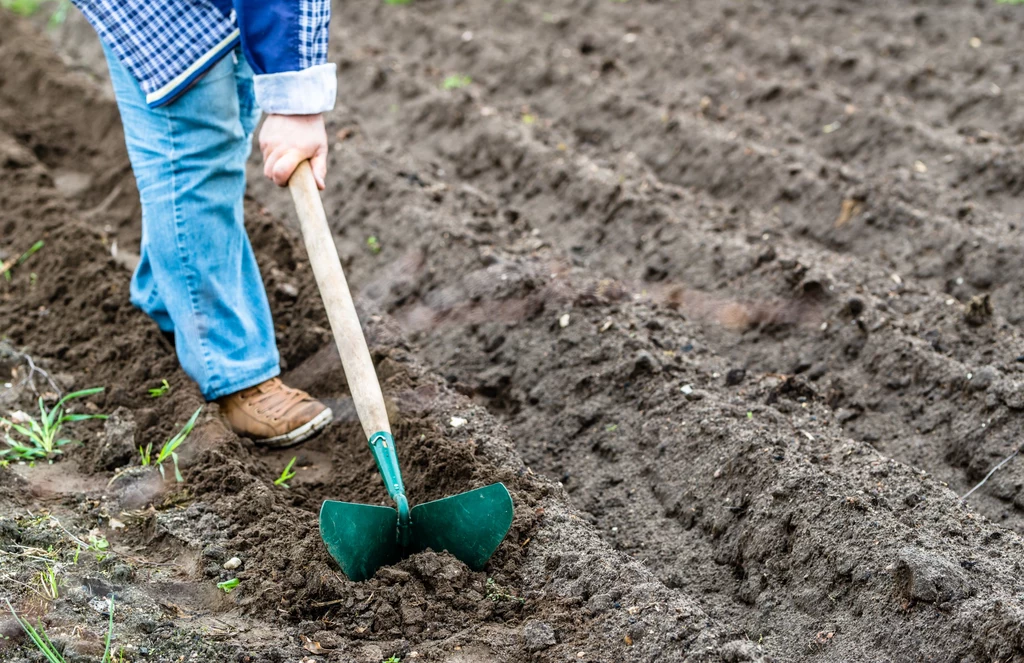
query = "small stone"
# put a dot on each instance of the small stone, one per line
(984, 378)
(735, 376)
(100, 605)
(686, 389)
(214, 552)
(457, 422)
(696, 395)
(232, 564)
(287, 291)
(563, 321)
(539, 635)
(600, 602)
(855, 305)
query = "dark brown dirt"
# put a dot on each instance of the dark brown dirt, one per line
(717, 269)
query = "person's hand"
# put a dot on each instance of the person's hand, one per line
(287, 140)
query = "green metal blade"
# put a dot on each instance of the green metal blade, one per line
(469, 525)
(360, 537)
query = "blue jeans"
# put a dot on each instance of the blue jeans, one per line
(198, 277)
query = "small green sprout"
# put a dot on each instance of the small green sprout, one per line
(108, 656)
(611, 428)
(286, 475)
(529, 118)
(373, 244)
(41, 439)
(169, 449)
(498, 594)
(393, 659)
(38, 637)
(50, 582)
(229, 585)
(397, 2)
(163, 389)
(750, 415)
(456, 82)
(8, 266)
(98, 543)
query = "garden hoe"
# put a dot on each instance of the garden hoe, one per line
(361, 537)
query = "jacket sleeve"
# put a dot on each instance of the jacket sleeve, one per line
(285, 43)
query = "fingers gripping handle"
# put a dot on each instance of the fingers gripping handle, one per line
(341, 311)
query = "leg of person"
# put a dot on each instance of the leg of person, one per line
(198, 276)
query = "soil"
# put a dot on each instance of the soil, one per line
(727, 293)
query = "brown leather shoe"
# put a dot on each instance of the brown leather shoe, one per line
(275, 415)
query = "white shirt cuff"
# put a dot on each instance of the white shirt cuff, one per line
(304, 92)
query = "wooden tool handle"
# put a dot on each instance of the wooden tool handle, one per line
(341, 311)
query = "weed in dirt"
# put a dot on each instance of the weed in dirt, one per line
(373, 244)
(6, 267)
(286, 474)
(97, 542)
(107, 656)
(40, 437)
(229, 585)
(392, 659)
(38, 636)
(50, 582)
(456, 82)
(529, 118)
(169, 449)
(162, 390)
(397, 2)
(498, 594)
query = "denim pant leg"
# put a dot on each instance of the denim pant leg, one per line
(198, 276)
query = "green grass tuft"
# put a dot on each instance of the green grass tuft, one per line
(38, 636)
(39, 437)
(169, 449)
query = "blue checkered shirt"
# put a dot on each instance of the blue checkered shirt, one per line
(168, 44)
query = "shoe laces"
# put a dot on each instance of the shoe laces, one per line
(273, 398)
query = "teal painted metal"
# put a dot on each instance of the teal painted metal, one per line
(362, 538)
(382, 446)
